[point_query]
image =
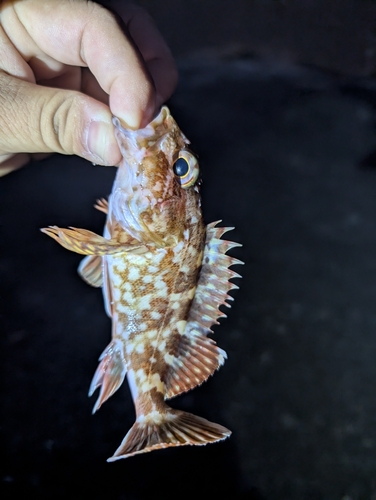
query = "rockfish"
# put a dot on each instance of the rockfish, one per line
(164, 276)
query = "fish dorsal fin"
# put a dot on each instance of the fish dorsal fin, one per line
(197, 355)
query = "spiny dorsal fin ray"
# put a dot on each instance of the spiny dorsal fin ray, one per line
(173, 428)
(197, 355)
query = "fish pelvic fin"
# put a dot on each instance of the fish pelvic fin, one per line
(86, 242)
(90, 270)
(172, 428)
(110, 373)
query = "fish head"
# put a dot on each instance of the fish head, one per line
(155, 197)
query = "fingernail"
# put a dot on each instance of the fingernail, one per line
(132, 121)
(136, 119)
(100, 142)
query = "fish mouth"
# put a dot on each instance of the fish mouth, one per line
(136, 144)
(150, 135)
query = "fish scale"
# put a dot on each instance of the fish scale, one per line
(164, 276)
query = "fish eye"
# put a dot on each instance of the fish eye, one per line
(186, 168)
(181, 167)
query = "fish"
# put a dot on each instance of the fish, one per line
(164, 275)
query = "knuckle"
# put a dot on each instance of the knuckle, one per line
(36, 119)
(13, 122)
(60, 120)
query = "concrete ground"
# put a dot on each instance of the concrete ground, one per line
(287, 155)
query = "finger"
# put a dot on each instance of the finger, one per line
(153, 48)
(86, 34)
(11, 162)
(35, 119)
(11, 60)
(91, 87)
(165, 79)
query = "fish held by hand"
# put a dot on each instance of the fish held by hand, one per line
(164, 276)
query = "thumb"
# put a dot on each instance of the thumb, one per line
(36, 119)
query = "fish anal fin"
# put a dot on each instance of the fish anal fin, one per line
(174, 428)
(110, 373)
(197, 358)
(90, 270)
(88, 243)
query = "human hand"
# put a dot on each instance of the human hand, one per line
(66, 67)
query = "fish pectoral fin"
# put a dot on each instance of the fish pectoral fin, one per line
(90, 270)
(110, 373)
(88, 243)
(102, 205)
(173, 428)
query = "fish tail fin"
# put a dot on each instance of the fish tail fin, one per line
(171, 428)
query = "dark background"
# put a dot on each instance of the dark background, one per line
(278, 100)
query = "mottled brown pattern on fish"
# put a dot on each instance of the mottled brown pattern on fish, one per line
(164, 276)
(174, 281)
(150, 401)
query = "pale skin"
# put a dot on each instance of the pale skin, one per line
(67, 66)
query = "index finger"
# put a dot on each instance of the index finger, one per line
(153, 48)
(85, 34)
